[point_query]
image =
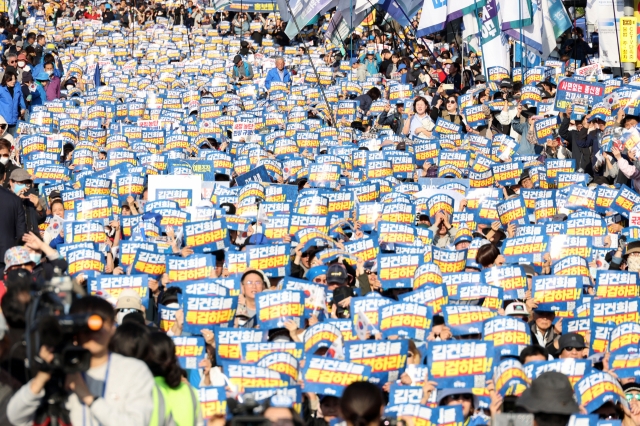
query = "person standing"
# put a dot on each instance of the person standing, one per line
(116, 390)
(12, 220)
(176, 400)
(12, 104)
(279, 73)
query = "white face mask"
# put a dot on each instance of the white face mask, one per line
(49, 72)
(21, 64)
(27, 68)
(69, 86)
(4, 160)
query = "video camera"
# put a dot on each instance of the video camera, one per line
(49, 325)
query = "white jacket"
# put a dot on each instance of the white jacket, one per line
(127, 399)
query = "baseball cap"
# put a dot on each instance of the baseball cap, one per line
(336, 274)
(402, 67)
(237, 59)
(516, 309)
(463, 234)
(529, 270)
(129, 299)
(257, 239)
(19, 43)
(571, 340)
(480, 79)
(20, 175)
(42, 76)
(16, 256)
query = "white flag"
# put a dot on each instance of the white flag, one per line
(515, 13)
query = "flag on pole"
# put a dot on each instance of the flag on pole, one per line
(495, 48)
(436, 13)
(13, 12)
(302, 12)
(220, 5)
(515, 13)
(531, 35)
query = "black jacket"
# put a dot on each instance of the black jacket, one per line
(395, 121)
(577, 140)
(12, 222)
(32, 217)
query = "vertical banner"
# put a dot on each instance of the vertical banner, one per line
(608, 11)
(628, 39)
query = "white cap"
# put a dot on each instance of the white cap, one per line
(516, 308)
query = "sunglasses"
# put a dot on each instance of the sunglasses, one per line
(631, 397)
(459, 396)
(451, 102)
(571, 349)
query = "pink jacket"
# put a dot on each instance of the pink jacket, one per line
(631, 172)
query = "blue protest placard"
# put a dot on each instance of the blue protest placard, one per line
(330, 377)
(387, 359)
(463, 364)
(408, 320)
(273, 308)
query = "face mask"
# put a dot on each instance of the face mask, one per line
(21, 64)
(35, 257)
(27, 68)
(4, 160)
(575, 36)
(18, 187)
(49, 72)
(69, 86)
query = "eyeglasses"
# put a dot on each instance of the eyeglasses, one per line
(571, 349)
(12, 62)
(451, 102)
(254, 283)
(631, 397)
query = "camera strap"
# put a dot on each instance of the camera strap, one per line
(104, 389)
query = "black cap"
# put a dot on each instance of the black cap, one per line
(571, 340)
(506, 83)
(55, 194)
(337, 274)
(237, 59)
(244, 43)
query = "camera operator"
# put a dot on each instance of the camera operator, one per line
(116, 390)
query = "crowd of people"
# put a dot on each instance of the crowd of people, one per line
(261, 227)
